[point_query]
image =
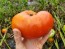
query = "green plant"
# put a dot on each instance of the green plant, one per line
(8, 8)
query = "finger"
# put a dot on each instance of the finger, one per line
(17, 35)
(44, 39)
(17, 38)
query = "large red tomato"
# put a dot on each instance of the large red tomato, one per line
(33, 25)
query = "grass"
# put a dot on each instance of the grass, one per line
(9, 8)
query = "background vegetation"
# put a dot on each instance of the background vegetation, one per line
(8, 8)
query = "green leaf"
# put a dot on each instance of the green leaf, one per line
(0, 16)
(62, 8)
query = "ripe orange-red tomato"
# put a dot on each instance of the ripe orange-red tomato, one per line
(32, 24)
(4, 30)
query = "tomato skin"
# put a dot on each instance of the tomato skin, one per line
(33, 26)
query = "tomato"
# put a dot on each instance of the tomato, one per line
(52, 33)
(32, 24)
(63, 28)
(51, 40)
(4, 30)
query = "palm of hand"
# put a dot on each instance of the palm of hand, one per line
(28, 43)
(33, 44)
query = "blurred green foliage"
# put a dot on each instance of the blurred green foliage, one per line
(8, 8)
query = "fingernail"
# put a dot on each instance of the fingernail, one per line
(15, 31)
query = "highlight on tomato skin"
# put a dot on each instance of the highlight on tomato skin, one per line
(35, 26)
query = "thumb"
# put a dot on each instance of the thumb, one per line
(17, 35)
(44, 39)
(17, 38)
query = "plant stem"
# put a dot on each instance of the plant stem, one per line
(59, 25)
(56, 44)
(3, 39)
(62, 37)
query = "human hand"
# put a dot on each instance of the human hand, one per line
(22, 43)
